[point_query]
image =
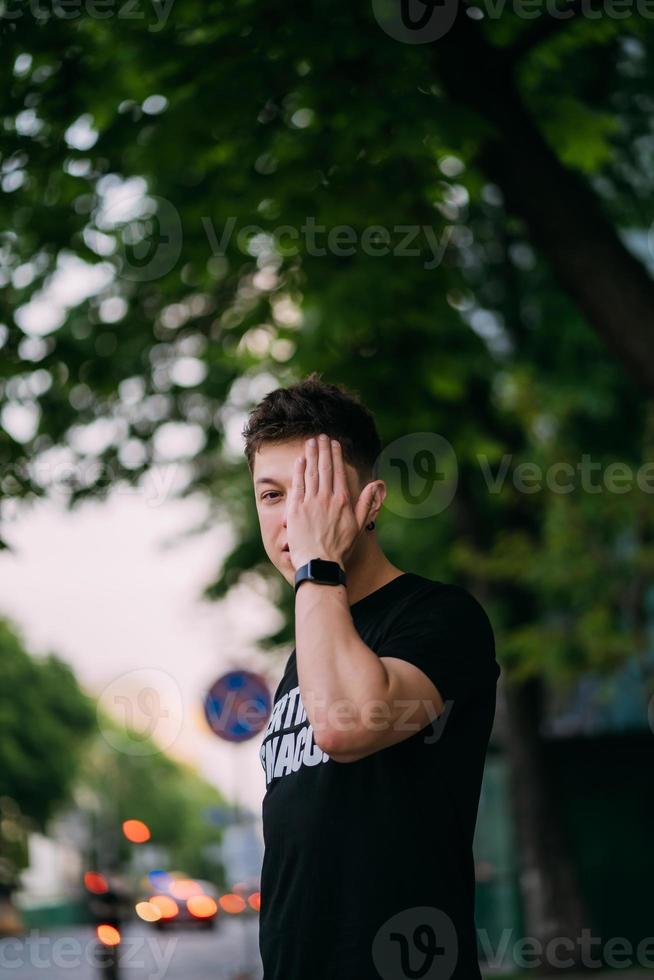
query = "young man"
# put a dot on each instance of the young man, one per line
(374, 751)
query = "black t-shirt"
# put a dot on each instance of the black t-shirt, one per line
(368, 869)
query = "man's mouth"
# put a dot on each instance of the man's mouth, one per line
(285, 548)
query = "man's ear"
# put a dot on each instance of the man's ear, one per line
(380, 496)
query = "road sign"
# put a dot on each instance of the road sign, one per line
(237, 705)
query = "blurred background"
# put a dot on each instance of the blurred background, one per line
(448, 209)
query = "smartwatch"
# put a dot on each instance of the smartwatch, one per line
(321, 571)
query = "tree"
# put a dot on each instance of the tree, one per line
(169, 796)
(44, 720)
(510, 150)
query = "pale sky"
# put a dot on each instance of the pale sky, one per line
(98, 586)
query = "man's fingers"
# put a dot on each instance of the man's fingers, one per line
(325, 468)
(297, 483)
(311, 469)
(340, 477)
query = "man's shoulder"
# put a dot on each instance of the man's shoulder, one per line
(452, 594)
(434, 599)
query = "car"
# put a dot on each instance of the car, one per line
(249, 891)
(173, 899)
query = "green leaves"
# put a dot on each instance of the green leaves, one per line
(44, 721)
(251, 126)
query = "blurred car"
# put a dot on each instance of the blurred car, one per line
(172, 900)
(249, 892)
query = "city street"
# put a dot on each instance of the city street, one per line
(229, 953)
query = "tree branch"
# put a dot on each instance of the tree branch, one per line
(562, 213)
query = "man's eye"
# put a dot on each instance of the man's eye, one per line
(268, 494)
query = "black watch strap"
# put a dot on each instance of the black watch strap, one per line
(320, 570)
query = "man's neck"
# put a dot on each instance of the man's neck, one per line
(367, 572)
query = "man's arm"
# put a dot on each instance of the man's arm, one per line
(357, 703)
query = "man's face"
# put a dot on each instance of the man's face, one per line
(272, 476)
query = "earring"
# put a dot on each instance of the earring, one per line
(370, 526)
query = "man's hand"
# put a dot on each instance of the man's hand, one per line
(320, 520)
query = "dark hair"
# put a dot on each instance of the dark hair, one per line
(312, 406)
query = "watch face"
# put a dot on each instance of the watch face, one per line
(325, 570)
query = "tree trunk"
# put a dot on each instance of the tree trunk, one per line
(563, 215)
(552, 903)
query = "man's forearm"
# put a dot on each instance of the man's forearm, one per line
(337, 673)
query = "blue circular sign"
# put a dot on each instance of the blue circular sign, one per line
(237, 705)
